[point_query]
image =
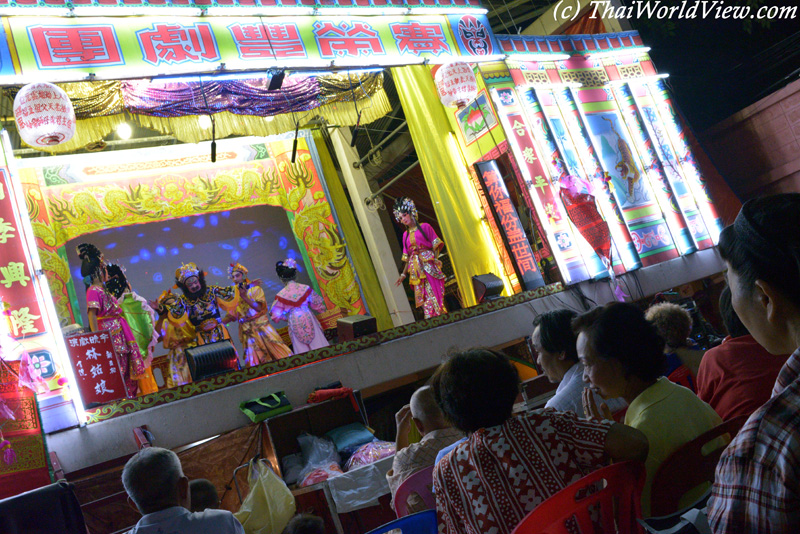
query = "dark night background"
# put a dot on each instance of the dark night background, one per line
(718, 67)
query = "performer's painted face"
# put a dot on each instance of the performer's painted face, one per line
(193, 284)
(407, 219)
(238, 277)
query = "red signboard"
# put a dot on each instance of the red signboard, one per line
(16, 284)
(506, 215)
(97, 370)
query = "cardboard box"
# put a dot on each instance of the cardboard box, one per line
(315, 419)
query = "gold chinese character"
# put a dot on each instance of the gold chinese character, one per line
(22, 321)
(14, 272)
(6, 231)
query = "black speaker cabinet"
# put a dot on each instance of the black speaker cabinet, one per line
(487, 287)
(356, 326)
(212, 359)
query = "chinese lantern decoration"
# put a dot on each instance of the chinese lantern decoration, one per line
(456, 84)
(44, 115)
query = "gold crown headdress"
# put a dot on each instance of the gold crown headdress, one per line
(166, 294)
(186, 270)
(236, 267)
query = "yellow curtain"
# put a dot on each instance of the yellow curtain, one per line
(353, 239)
(455, 200)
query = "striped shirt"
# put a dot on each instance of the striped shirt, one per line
(491, 481)
(757, 487)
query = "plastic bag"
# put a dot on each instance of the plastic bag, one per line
(320, 473)
(320, 460)
(269, 505)
(370, 453)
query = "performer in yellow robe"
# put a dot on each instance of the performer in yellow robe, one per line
(176, 338)
(202, 305)
(259, 338)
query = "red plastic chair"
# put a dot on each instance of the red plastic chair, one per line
(420, 483)
(688, 468)
(571, 509)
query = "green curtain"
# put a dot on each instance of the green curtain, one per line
(466, 237)
(353, 239)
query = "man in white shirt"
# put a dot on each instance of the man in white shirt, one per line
(555, 345)
(436, 432)
(155, 483)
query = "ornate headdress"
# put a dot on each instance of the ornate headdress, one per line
(164, 296)
(236, 267)
(404, 205)
(290, 263)
(186, 270)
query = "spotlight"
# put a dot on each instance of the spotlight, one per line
(204, 121)
(276, 81)
(124, 131)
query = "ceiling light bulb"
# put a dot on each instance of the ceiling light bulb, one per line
(124, 131)
(204, 121)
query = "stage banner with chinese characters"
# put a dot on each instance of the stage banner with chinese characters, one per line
(141, 46)
(506, 215)
(97, 370)
(16, 289)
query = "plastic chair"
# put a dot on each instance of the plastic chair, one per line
(571, 509)
(420, 523)
(420, 483)
(688, 468)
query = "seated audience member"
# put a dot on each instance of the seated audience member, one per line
(154, 481)
(305, 524)
(674, 325)
(737, 377)
(508, 465)
(756, 487)
(204, 495)
(623, 356)
(436, 433)
(554, 342)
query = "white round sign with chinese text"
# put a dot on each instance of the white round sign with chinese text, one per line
(44, 115)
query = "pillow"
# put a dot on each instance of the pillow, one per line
(350, 436)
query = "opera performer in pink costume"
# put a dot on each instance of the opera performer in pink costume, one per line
(297, 304)
(421, 247)
(105, 314)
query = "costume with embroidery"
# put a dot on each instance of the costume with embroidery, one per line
(421, 251)
(297, 303)
(176, 338)
(260, 340)
(110, 317)
(203, 311)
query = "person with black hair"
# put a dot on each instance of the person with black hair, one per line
(141, 319)
(508, 465)
(737, 377)
(554, 343)
(176, 338)
(260, 340)
(297, 303)
(105, 313)
(623, 356)
(305, 524)
(202, 305)
(203, 495)
(421, 248)
(757, 479)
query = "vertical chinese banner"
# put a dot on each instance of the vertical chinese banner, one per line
(96, 368)
(16, 289)
(506, 215)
